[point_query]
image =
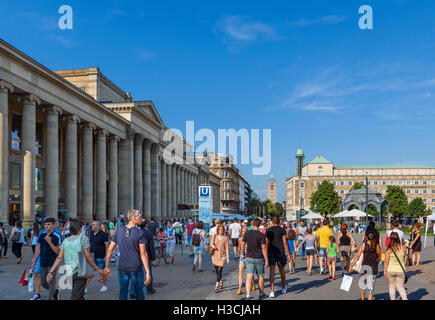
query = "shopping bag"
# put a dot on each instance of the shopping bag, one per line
(31, 283)
(358, 264)
(23, 282)
(346, 283)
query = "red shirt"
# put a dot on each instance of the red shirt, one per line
(190, 227)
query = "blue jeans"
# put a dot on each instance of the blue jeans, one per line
(150, 286)
(302, 249)
(137, 282)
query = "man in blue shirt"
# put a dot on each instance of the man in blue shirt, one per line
(47, 249)
(133, 256)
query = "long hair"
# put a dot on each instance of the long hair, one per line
(371, 240)
(394, 243)
(35, 229)
(343, 228)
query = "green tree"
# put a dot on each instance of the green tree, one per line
(325, 199)
(416, 208)
(253, 206)
(270, 208)
(397, 201)
(357, 185)
(373, 211)
(279, 210)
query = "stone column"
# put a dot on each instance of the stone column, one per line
(177, 180)
(155, 182)
(169, 190)
(138, 173)
(126, 178)
(113, 177)
(51, 185)
(88, 172)
(101, 210)
(5, 88)
(147, 178)
(174, 192)
(28, 140)
(182, 185)
(163, 189)
(71, 166)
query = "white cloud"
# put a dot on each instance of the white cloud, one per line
(239, 32)
(143, 55)
(331, 19)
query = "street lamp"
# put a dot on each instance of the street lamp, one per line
(367, 197)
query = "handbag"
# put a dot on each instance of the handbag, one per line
(403, 269)
(213, 250)
(24, 280)
(85, 270)
(358, 264)
(17, 235)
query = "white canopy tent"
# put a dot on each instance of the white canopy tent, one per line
(429, 218)
(312, 215)
(354, 213)
(340, 214)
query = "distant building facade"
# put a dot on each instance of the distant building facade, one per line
(272, 190)
(416, 180)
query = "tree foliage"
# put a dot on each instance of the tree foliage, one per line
(416, 208)
(397, 201)
(357, 185)
(325, 199)
(253, 205)
(279, 210)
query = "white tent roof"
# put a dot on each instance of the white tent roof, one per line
(428, 218)
(312, 215)
(431, 217)
(340, 214)
(354, 213)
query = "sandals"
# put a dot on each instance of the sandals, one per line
(216, 290)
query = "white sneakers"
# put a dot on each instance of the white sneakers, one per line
(284, 290)
(86, 290)
(272, 295)
(103, 289)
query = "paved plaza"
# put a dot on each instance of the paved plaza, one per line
(178, 282)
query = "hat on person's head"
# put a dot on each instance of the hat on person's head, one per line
(245, 221)
(48, 220)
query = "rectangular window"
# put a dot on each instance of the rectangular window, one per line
(341, 183)
(302, 185)
(302, 193)
(350, 183)
(424, 200)
(384, 183)
(16, 132)
(425, 191)
(39, 135)
(408, 182)
(15, 176)
(416, 182)
(416, 191)
(320, 173)
(408, 191)
(375, 183)
(424, 182)
(38, 179)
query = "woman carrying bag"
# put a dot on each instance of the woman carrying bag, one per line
(394, 267)
(221, 245)
(372, 255)
(345, 243)
(17, 239)
(72, 250)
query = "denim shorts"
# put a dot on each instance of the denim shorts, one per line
(198, 250)
(170, 248)
(309, 252)
(189, 240)
(241, 261)
(322, 252)
(100, 263)
(253, 265)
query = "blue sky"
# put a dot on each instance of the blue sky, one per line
(301, 68)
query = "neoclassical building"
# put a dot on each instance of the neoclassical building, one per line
(415, 180)
(72, 141)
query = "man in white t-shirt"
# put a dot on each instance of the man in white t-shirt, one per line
(234, 232)
(397, 230)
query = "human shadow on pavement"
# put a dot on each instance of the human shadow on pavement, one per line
(417, 295)
(301, 287)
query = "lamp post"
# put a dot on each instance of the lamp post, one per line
(367, 197)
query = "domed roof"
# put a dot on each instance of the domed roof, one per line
(300, 152)
(363, 191)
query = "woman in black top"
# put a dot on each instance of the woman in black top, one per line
(372, 228)
(344, 243)
(369, 269)
(416, 244)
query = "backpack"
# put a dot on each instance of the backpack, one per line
(196, 239)
(17, 235)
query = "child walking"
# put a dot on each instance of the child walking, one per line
(331, 252)
(292, 243)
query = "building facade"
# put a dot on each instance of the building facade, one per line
(223, 167)
(71, 140)
(272, 190)
(416, 181)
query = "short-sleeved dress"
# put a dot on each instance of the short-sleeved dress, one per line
(220, 256)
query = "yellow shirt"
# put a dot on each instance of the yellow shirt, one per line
(323, 234)
(393, 265)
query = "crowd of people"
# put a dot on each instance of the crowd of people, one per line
(257, 245)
